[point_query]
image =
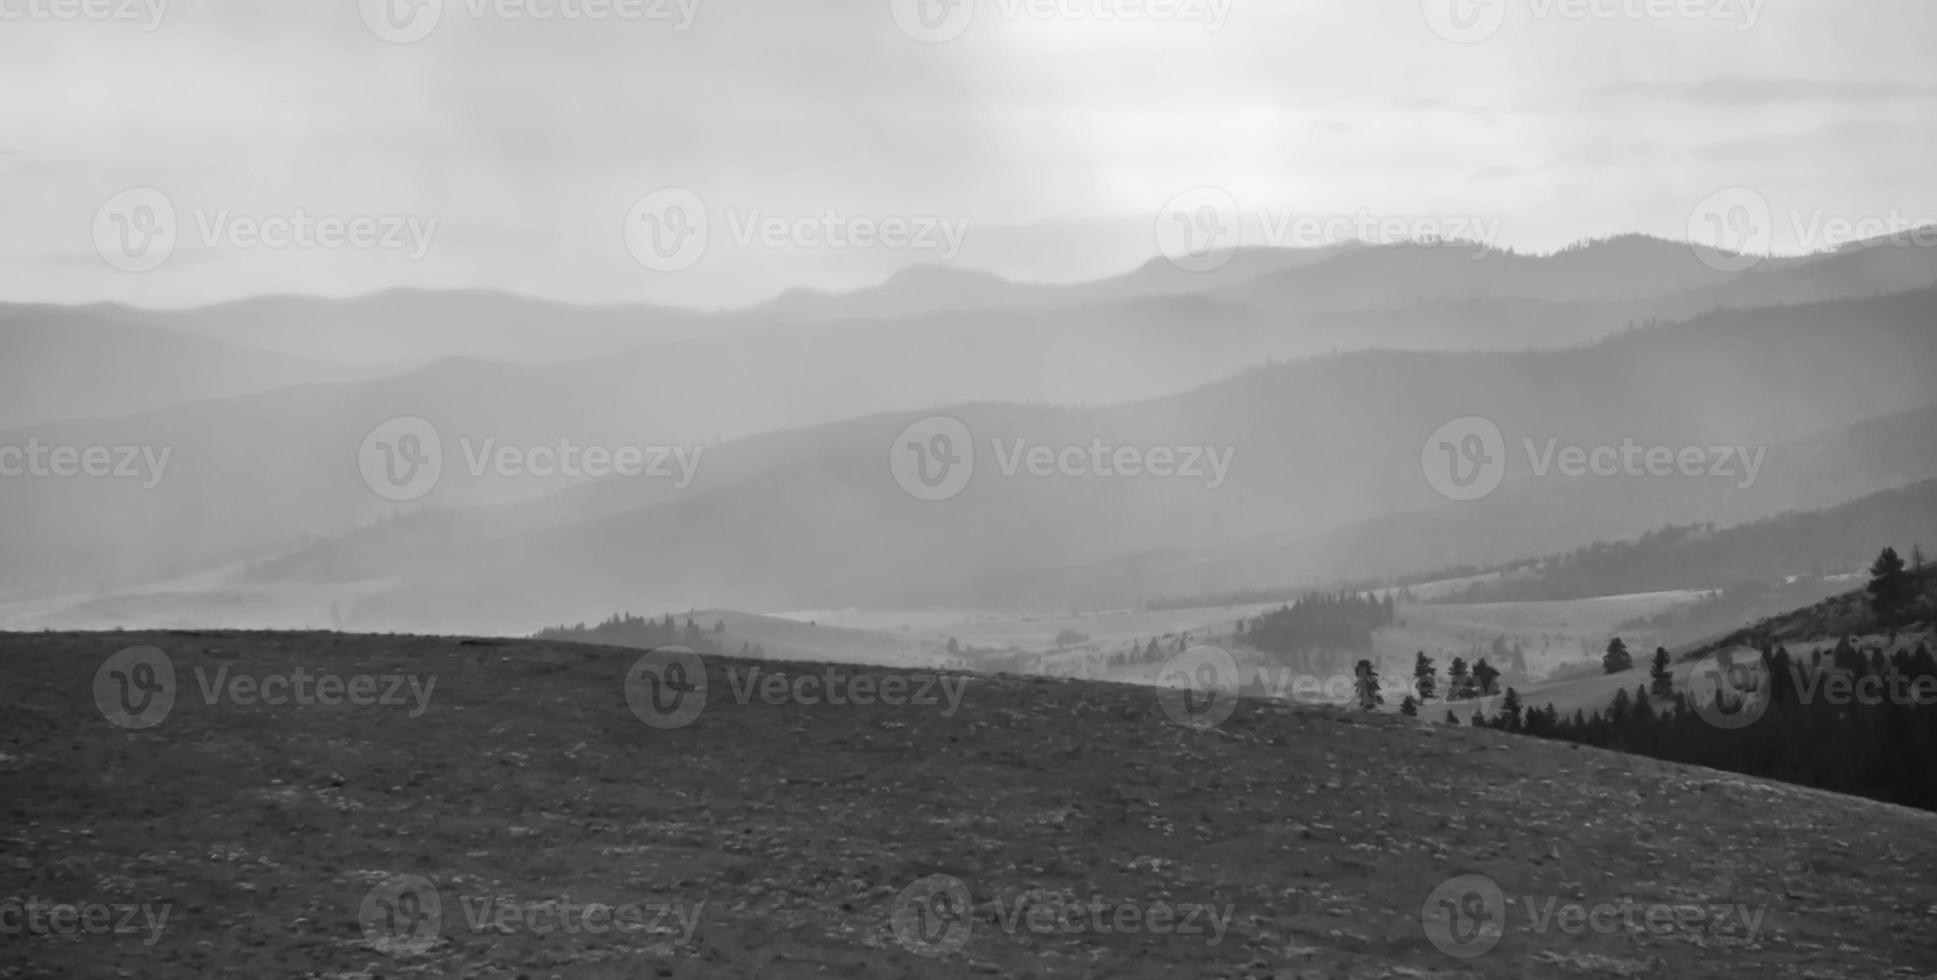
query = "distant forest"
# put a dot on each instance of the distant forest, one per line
(1860, 721)
(627, 630)
(1315, 631)
(1882, 747)
(1698, 556)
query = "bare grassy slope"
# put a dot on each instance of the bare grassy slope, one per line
(528, 779)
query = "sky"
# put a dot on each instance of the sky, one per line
(642, 150)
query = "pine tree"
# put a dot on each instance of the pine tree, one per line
(1459, 684)
(1889, 586)
(1510, 711)
(1368, 686)
(1409, 707)
(1644, 709)
(1663, 678)
(1424, 677)
(1485, 679)
(1620, 708)
(1617, 659)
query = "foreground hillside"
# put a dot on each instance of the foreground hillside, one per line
(518, 782)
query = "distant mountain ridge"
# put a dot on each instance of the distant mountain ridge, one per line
(813, 519)
(1323, 443)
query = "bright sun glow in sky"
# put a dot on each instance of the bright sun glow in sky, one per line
(1057, 136)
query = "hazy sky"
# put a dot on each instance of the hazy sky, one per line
(1049, 135)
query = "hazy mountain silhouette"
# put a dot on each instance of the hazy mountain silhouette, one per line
(413, 326)
(66, 362)
(1321, 443)
(813, 518)
(929, 289)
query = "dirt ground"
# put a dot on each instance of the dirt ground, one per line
(990, 827)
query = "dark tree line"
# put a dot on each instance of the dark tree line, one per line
(627, 630)
(1316, 625)
(1700, 556)
(1882, 746)
(1859, 721)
